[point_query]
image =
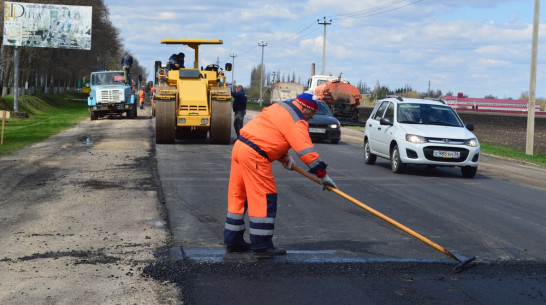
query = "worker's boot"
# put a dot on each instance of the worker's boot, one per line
(273, 251)
(244, 247)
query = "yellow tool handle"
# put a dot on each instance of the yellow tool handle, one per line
(378, 214)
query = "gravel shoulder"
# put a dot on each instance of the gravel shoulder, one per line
(81, 217)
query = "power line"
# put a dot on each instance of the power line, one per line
(380, 9)
(374, 11)
(308, 30)
(293, 36)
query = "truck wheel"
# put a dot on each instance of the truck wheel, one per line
(165, 122)
(132, 113)
(93, 115)
(220, 122)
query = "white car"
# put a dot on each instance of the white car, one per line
(418, 131)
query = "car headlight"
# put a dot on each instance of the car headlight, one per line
(334, 126)
(473, 142)
(415, 139)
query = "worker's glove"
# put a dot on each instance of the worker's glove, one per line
(327, 181)
(287, 161)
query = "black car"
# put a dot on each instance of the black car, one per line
(324, 126)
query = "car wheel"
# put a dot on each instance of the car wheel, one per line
(369, 158)
(334, 141)
(396, 164)
(469, 171)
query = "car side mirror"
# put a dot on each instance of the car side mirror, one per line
(385, 121)
(470, 126)
(228, 67)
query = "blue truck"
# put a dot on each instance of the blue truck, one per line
(110, 95)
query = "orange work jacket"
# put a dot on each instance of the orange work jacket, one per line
(280, 127)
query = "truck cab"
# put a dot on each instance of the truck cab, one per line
(110, 95)
(317, 80)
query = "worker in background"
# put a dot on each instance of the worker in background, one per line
(142, 95)
(239, 107)
(152, 95)
(266, 138)
(126, 63)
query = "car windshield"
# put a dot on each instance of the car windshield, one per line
(427, 114)
(323, 109)
(114, 78)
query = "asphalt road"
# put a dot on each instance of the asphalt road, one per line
(86, 219)
(339, 253)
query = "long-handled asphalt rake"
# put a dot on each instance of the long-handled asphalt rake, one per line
(463, 261)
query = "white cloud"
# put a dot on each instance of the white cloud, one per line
(479, 47)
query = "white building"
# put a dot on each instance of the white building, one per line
(285, 90)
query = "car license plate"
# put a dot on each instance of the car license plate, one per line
(317, 130)
(446, 154)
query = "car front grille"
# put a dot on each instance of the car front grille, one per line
(446, 141)
(429, 150)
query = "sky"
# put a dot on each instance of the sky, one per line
(478, 47)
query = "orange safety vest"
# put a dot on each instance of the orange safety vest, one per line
(280, 127)
(142, 94)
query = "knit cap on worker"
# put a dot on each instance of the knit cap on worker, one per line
(306, 100)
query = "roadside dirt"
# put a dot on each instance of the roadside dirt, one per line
(81, 218)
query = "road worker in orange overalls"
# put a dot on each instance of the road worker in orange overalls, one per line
(266, 138)
(142, 95)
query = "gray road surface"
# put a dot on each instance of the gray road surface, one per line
(338, 253)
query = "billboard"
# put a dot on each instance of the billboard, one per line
(47, 25)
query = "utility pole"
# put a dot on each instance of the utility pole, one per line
(232, 68)
(263, 44)
(428, 89)
(532, 85)
(325, 23)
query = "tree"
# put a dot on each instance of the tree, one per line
(43, 68)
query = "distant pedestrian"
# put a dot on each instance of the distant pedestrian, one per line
(142, 95)
(239, 108)
(126, 63)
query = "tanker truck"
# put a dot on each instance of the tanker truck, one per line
(342, 97)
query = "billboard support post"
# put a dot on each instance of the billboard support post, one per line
(16, 56)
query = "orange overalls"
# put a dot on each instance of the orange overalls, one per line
(141, 95)
(266, 138)
(152, 95)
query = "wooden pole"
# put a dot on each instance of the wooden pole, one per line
(3, 120)
(532, 85)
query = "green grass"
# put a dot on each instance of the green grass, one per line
(48, 115)
(254, 106)
(512, 154)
